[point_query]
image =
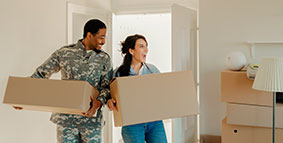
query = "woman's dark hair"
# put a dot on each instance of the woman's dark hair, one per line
(129, 43)
(93, 26)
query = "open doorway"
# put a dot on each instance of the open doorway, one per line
(157, 30)
(172, 47)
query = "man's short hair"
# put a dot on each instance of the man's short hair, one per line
(93, 26)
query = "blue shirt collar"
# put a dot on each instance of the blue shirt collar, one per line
(141, 72)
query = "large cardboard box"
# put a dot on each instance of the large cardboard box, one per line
(237, 88)
(154, 97)
(260, 116)
(62, 96)
(210, 139)
(247, 134)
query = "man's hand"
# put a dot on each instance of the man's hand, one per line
(95, 105)
(18, 108)
(112, 104)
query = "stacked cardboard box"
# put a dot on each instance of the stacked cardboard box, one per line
(248, 134)
(237, 88)
(210, 139)
(249, 112)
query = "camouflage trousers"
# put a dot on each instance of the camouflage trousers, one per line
(78, 135)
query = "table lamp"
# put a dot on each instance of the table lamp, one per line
(269, 78)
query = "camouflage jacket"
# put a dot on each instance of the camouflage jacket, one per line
(75, 63)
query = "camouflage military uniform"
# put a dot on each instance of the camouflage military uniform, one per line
(76, 63)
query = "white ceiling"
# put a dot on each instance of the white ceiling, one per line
(149, 6)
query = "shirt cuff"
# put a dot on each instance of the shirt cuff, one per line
(102, 99)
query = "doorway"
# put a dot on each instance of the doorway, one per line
(157, 30)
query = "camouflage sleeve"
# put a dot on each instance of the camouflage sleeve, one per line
(50, 66)
(106, 78)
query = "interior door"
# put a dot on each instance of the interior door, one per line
(185, 57)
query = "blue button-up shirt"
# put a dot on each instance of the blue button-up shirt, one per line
(145, 69)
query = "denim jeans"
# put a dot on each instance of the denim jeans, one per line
(151, 132)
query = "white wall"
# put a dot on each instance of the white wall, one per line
(30, 31)
(225, 26)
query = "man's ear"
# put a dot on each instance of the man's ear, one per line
(88, 35)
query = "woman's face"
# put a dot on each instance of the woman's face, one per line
(140, 51)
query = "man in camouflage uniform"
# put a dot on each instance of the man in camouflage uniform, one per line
(82, 61)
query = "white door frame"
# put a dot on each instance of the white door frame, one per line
(74, 8)
(185, 56)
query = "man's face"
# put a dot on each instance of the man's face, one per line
(98, 40)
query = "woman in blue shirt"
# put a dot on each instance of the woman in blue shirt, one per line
(135, 50)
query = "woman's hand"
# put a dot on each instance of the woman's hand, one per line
(112, 104)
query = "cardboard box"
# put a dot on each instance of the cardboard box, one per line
(237, 88)
(247, 134)
(62, 96)
(154, 97)
(260, 116)
(210, 139)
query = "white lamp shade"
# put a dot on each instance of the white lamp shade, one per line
(269, 76)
